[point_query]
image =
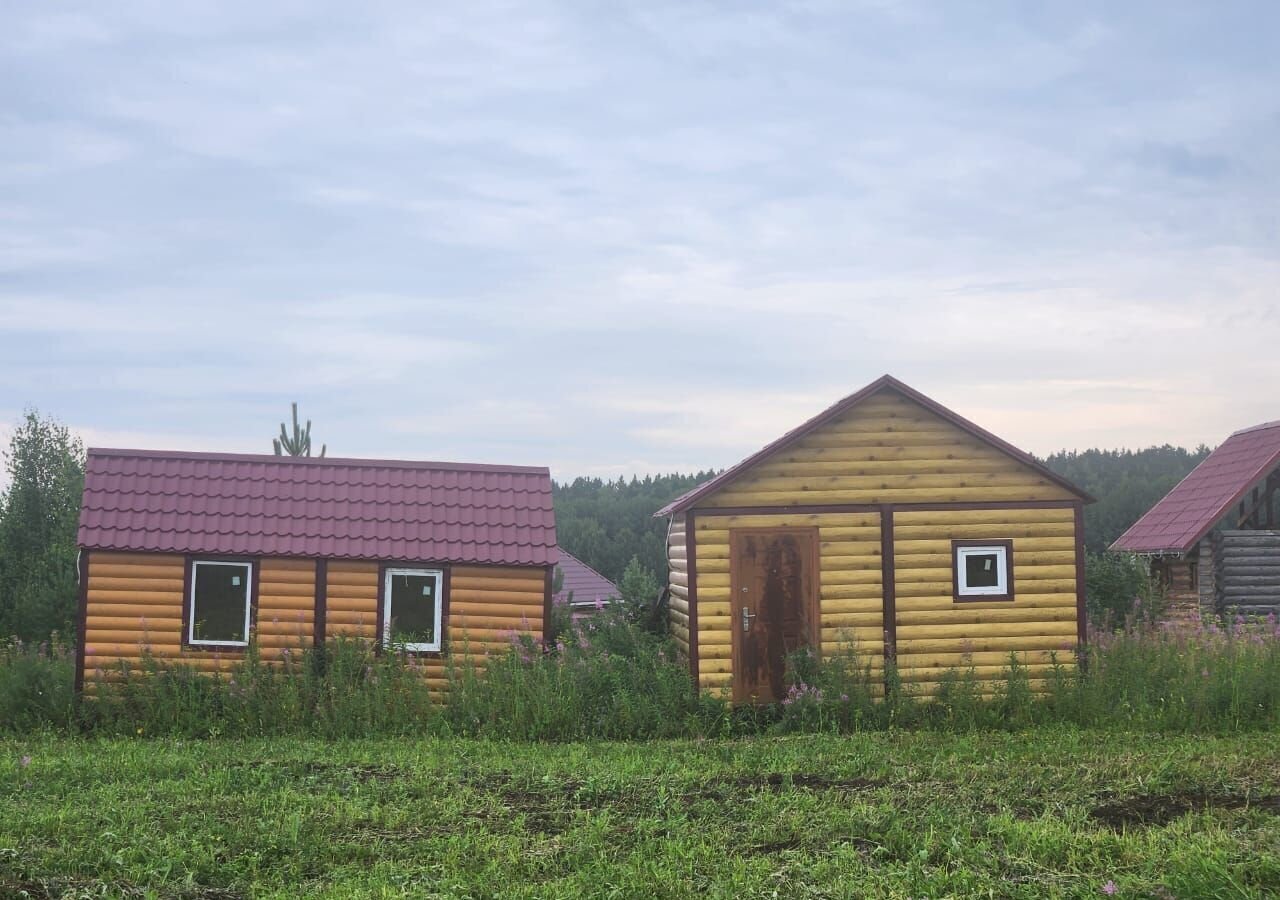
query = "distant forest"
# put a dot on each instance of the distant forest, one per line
(606, 523)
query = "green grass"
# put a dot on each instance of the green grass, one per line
(1053, 812)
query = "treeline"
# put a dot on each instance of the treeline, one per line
(1125, 483)
(606, 523)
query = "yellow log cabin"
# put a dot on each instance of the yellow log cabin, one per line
(192, 557)
(887, 526)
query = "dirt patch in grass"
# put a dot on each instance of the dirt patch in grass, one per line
(361, 773)
(1161, 809)
(777, 781)
(548, 806)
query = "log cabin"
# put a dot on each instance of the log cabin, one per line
(193, 558)
(1213, 541)
(889, 528)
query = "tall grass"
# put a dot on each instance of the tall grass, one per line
(605, 679)
(1200, 676)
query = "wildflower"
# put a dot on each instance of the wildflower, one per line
(599, 604)
(139, 730)
(844, 698)
(1110, 888)
(24, 761)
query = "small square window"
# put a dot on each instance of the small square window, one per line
(982, 571)
(220, 603)
(412, 609)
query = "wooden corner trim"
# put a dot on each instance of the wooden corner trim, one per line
(548, 585)
(691, 563)
(1082, 623)
(82, 619)
(889, 590)
(318, 623)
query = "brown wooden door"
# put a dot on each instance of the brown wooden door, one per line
(774, 607)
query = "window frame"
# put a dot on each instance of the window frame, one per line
(441, 573)
(189, 640)
(961, 592)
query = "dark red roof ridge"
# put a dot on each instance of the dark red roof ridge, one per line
(588, 566)
(1263, 427)
(362, 462)
(884, 382)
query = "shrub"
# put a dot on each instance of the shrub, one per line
(1119, 588)
(36, 682)
(604, 678)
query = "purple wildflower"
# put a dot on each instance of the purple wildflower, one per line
(1110, 888)
(599, 604)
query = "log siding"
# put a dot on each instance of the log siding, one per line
(887, 449)
(133, 609)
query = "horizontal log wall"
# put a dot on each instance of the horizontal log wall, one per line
(1248, 572)
(286, 607)
(351, 600)
(135, 609)
(849, 584)
(887, 449)
(678, 584)
(936, 635)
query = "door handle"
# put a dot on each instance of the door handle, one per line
(747, 616)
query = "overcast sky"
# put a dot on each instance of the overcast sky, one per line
(618, 241)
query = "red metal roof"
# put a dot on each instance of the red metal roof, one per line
(1196, 503)
(165, 502)
(883, 383)
(585, 583)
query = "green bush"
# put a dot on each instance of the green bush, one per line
(36, 681)
(1119, 589)
(603, 678)
(609, 679)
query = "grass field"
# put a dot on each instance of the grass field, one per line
(1045, 813)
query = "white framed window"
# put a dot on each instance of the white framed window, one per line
(220, 604)
(983, 570)
(413, 609)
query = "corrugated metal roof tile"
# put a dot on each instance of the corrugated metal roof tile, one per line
(583, 582)
(151, 501)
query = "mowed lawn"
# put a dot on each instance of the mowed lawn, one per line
(1038, 814)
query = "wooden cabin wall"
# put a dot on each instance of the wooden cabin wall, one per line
(1182, 590)
(936, 634)
(286, 607)
(887, 449)
(1248, 572)
(351, 599)
(678, 585)
(135, 608)
(850, 587)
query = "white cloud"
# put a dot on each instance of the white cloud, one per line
(541, 232)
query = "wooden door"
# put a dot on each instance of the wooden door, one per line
(773, 611)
